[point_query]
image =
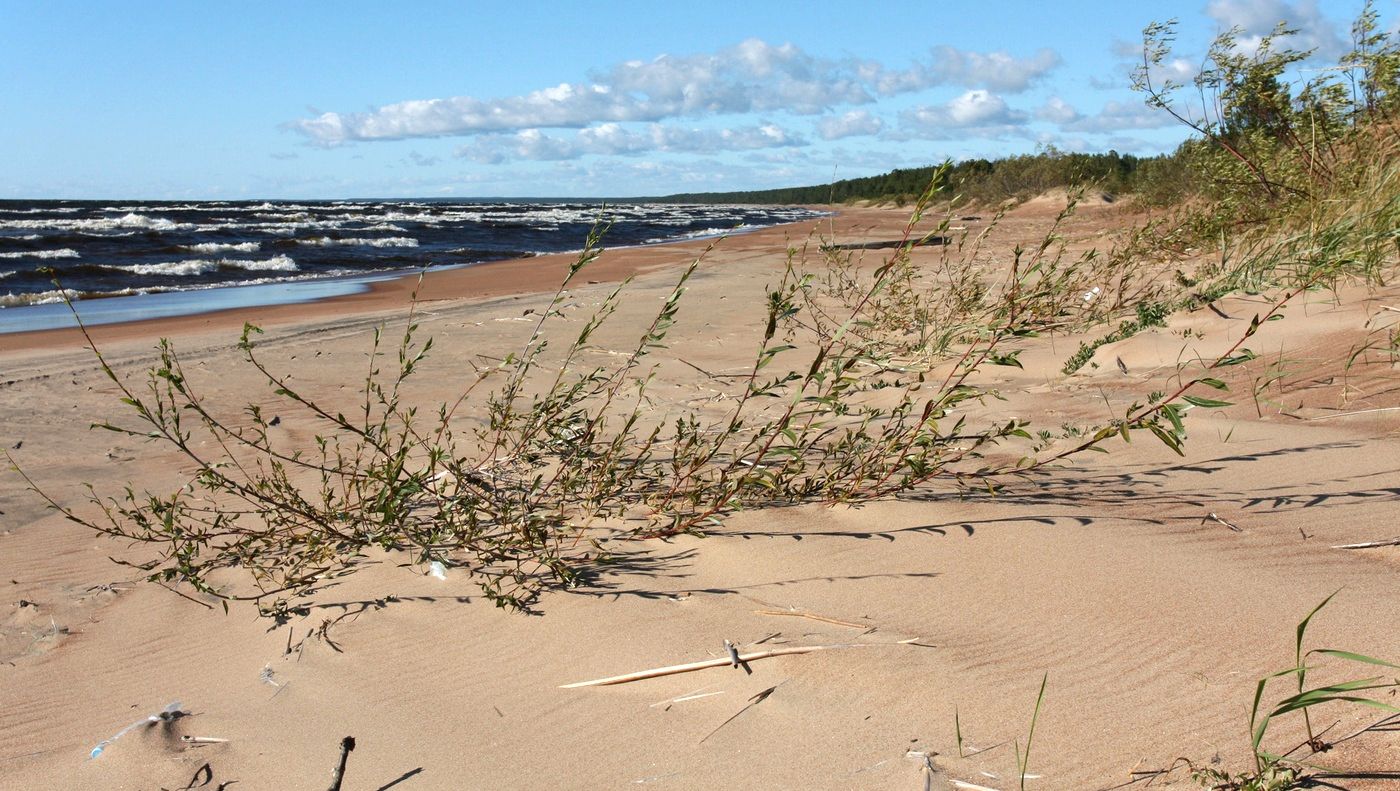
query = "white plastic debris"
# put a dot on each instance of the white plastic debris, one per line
(436, 569)
(167, 713)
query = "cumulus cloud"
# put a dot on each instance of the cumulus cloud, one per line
(1056, 111)
(1117, 116)
(976, 113)
(752, 77)
(616, 140)
(1257, 18)
(851, 124)
(997, 71)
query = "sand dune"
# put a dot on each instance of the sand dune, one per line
(1150, 619)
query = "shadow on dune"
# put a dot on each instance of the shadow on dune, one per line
(1152, 486)
(614, 579)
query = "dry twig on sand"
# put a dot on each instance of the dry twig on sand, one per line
(690, 667)
(346, 745)
(753, 701)
(693, 666)
(1389, 542)
(1213, 517)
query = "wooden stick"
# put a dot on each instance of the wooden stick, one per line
(812, 616)
(753, 701)
(1212, 516)
(346, 745)
(1389, 542)
(203, 740)
(743, 659)
(693, 666)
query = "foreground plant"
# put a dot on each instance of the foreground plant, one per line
(542, 463)
(1287, 770)
(565, 459)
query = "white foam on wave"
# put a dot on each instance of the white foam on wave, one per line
(128, 220)
(63, 253)
(358, 241)
(192, 267)
(13, 300)
(10, 273)
(181, 268)
(222, 247)
(43, 210)
(700, 233)
(281, 228)
(134, 220)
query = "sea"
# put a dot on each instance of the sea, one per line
(125, 260)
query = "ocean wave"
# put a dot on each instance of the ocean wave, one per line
(63, 253)
(9, 273)
(13, 300)
(700, 233)
(385, 241)
(221, 247)
(43, 210)
(134, 220)
(192, 267)
(283, 228)
(128, 220)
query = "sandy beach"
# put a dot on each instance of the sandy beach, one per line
(1149, 591)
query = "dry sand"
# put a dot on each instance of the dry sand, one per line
(1151, 620)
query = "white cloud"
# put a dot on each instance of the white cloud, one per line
(998, 71)
(1257, 18)
(976, 113)
(752, 77)
(1056, 111)
(616, 140)
(1116, 116)
(851, 124)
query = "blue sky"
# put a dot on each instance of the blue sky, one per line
(438, 99)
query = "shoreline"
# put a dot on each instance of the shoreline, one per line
(489, 279)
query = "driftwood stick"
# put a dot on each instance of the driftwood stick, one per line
(346, 745)
(744, 659)
(1389, 542)
(693, 666)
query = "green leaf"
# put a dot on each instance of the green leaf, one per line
(1370, 660)
(1244, 356)
(1205, 402)
(1298, 640)
(1167, 439)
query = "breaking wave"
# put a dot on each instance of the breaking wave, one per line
(387, 241)
(63, 253)
(280, 263)
(224, 247)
